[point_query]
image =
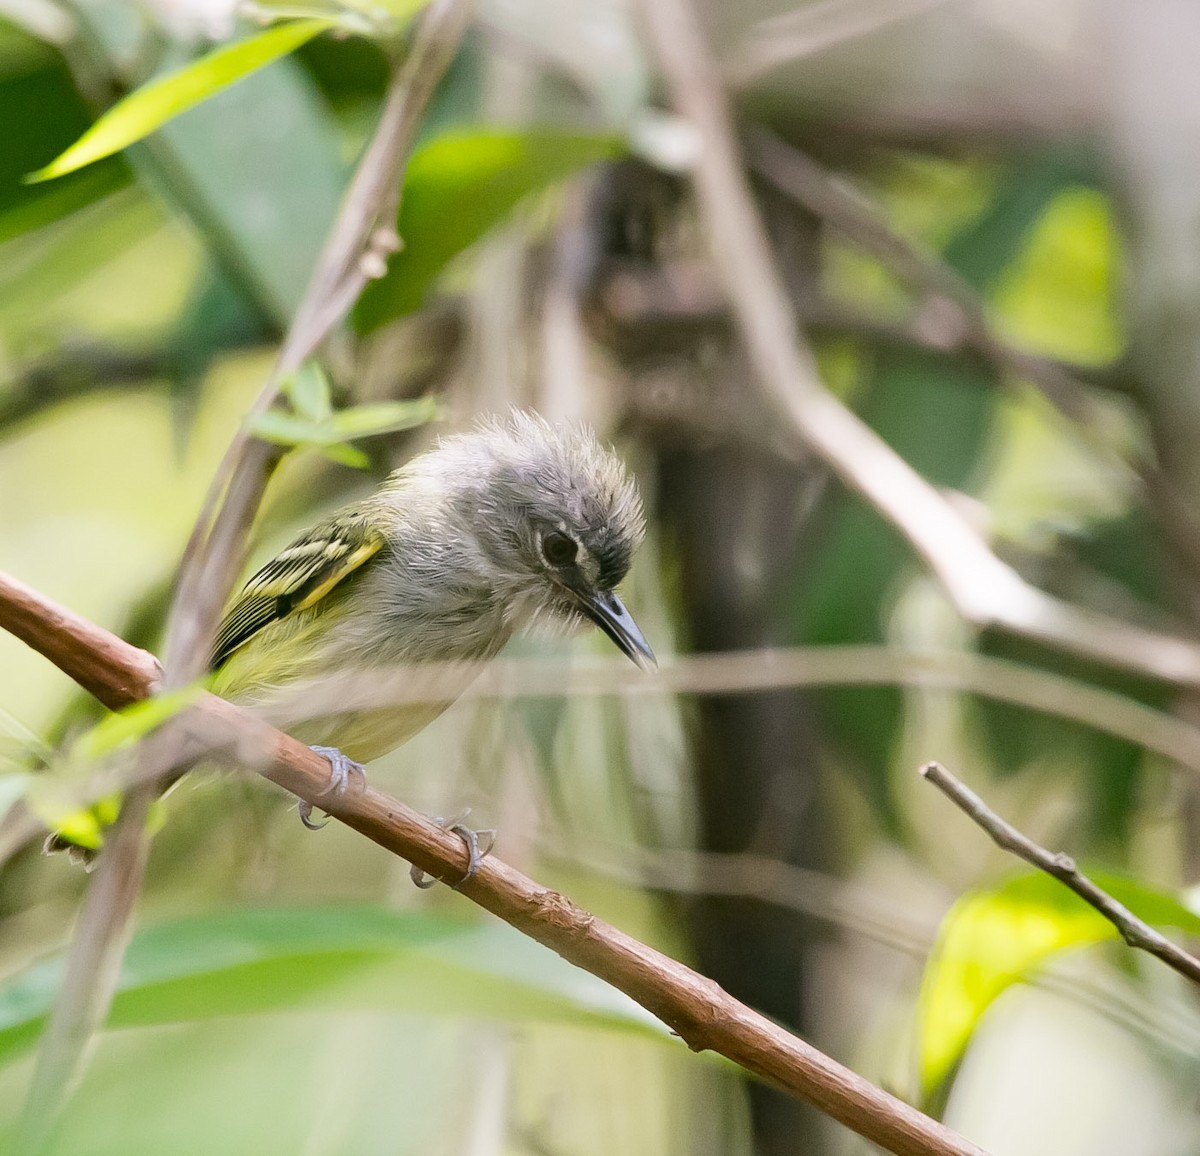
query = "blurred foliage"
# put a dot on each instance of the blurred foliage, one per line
(249, 962)
(153, 104)
(286, 993)
(459, 185)
(993, 937)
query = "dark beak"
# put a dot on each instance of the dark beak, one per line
(608, 612)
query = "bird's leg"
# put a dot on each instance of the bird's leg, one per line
(475, 855)
(341, 768)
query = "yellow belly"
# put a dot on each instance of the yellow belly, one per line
(364, 735)
(279, 673)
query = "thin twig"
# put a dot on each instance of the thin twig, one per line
(730, 672)
(695, 1008)
(812, 29)
(852, 908)
(1062, 867)
(733, 672)
(963, 320)
(98, 945)
(984, 590)
(362, 237)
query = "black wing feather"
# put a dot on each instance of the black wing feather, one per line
(297, 577)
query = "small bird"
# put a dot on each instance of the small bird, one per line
(485, 534)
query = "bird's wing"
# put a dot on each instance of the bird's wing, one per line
(296, 578)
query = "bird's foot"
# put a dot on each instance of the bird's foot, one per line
(341, 770)
(475, 852)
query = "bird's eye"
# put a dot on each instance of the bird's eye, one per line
(559, 549)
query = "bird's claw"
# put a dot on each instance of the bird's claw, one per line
(475, 854)
(341, 770)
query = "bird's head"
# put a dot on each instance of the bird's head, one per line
(556, 516)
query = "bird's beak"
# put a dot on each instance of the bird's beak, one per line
(608, 612)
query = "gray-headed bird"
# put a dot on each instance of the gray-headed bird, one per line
(485, 534)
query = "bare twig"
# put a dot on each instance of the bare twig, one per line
(985, 590)
(732, 672)
(695, 1008)
(1062, 867)
(362, 238)
(75, 370)
(852, 908)
(812, 29)
(98, 944)
(957, 316)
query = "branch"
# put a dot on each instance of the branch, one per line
(105, 666)
(729, 672)
(812, 29)
(760, 669)
(962, 320)
(694, 1007)
(985, 591)
(1062, 867)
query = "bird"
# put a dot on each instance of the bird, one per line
(512, 523)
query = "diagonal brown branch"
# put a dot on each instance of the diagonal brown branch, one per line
(1061, 866)
(703, 1015)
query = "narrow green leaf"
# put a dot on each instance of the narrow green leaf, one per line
(286, 429)
(357, 422)
(135, 722)
(159, 101)
(362, 421)
(239, 962)
(991, 939)
(59, 811)
(346, 455)
(458, 186)
(308, 391)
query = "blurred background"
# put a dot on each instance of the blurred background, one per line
(987, 215)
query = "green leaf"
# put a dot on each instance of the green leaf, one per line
(346, 455)
(42, 114)
(991, 939)
(458, 186)
(1060, 295)
(161, 100)
(56, 798)
(308, 391)
(286, 429)
(378, 18)
(239, 962)
(362, 421)
(134, 723)
(357, 422)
